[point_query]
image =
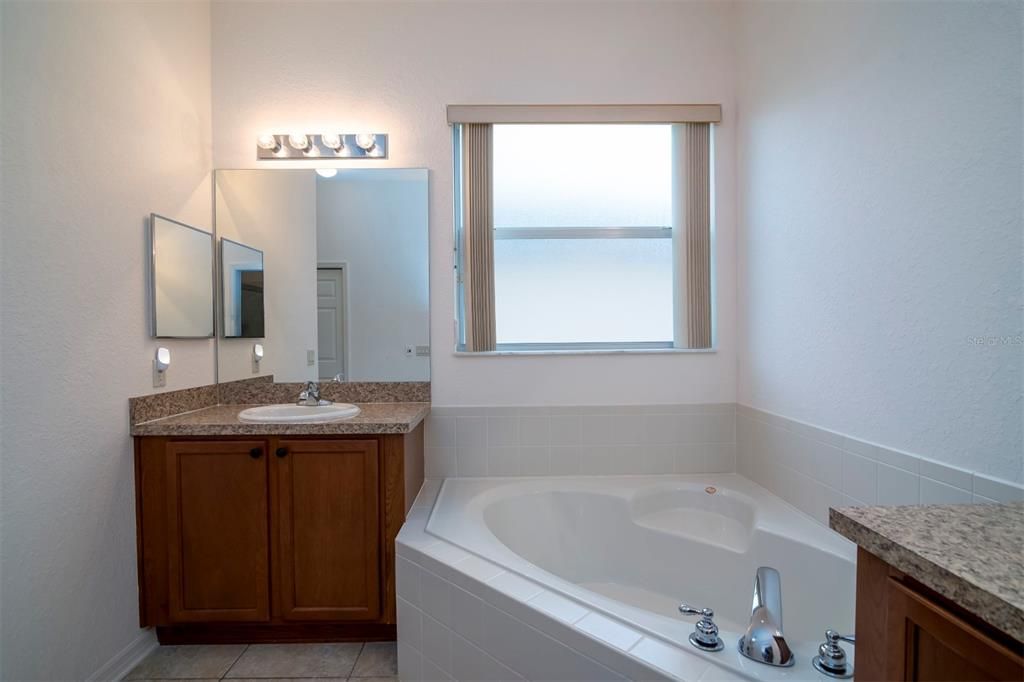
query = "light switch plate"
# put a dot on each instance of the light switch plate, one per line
(310, 357)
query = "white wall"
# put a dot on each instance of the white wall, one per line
(408, 60)
(105, 117)
(375, 221)
(274, 212)
(880, 193)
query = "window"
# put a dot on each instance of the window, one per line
(583, 243)
(581, 237)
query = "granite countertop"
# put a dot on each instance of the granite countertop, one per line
(222, 420)
(971, 554)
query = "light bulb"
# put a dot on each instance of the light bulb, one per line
(332, 141)
(326, 172)
(268, 142)
(366, 141)
(298, 141)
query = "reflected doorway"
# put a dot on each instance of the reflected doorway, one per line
(332, 330)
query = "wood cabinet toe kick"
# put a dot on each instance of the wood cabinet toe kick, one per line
(272, 539)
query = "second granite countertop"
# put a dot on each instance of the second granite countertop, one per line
(222, 420)
(971, 554)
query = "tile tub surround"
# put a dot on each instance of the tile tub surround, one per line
(464, 618)
(222, 420)
(970, 554)
(574, 440)
(815, 469)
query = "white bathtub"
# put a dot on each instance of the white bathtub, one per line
(632, 548)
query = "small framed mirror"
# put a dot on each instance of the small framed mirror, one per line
(241, 270)
(181, 280)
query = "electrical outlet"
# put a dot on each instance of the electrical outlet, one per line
(159, 378)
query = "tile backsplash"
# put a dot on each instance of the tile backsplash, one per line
(539, 441)
(814, 469)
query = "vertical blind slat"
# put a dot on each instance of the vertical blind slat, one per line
(477, 230)
(698, 235)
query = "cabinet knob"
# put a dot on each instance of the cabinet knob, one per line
(256, 453)
(281, 452)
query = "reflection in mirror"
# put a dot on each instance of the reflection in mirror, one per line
(344, 272)
(241, 271)
(181, 279)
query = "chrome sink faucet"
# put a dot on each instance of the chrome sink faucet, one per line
(763, 641)
(310, 396)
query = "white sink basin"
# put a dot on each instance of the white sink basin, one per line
(291, 413)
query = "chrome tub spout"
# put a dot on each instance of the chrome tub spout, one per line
(763, 641)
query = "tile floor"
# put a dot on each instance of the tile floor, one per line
(359, 662)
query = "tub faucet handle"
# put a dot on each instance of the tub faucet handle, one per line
(705, 632)
(831, 659)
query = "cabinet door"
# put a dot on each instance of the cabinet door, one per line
(326, 505)
(928, 643)
(218, 531)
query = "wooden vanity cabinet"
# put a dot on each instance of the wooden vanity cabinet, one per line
(326, 498)
(217, 539)
(272, 538)
(907, 632)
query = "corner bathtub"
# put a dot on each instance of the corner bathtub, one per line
(633, 548)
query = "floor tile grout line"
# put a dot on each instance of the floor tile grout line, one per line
(362, 648)
(234, 662)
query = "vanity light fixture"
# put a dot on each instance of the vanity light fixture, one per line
(326, 172)
(324, 145)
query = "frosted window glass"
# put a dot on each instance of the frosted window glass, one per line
(583, 290)
(582, 175)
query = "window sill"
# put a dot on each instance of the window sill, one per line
(596, 351)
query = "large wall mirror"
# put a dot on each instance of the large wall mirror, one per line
(328, 274)
(181, 280)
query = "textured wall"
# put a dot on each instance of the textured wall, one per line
(407, 61)
(880, 212)
(105, 117)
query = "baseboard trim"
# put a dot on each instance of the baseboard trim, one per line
(127, 658)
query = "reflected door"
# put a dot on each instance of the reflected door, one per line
(330, 319)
